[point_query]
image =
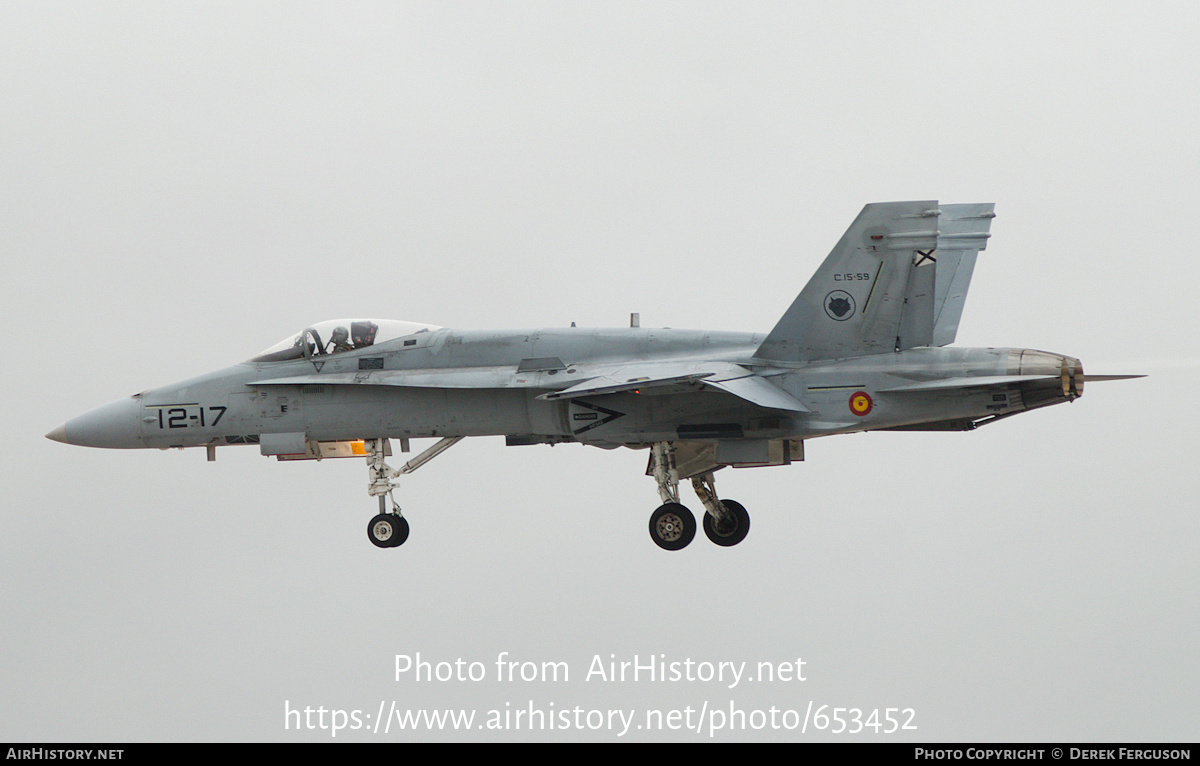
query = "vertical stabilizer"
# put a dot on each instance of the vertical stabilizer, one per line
(897, 279)
(964, 232)
(853, 305)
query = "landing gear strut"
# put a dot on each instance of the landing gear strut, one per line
(725, 521)
(672, 525)
(389, 529)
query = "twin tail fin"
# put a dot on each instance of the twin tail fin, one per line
(897, 279)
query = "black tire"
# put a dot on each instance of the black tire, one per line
(672, 526)
(387, 530)
(731, 536)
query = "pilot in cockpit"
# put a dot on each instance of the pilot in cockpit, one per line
(363, 333)
(339, 340)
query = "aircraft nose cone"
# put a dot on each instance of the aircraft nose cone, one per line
(113, 426)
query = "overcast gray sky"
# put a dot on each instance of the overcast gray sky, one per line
(182, 185)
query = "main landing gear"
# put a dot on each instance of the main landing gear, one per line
(389, 529)
(672, 525)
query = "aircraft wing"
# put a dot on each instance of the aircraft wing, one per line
(607, 384)
(595, 380)
(592, 378)
(758, 390)
(722, 376)
(458, 377)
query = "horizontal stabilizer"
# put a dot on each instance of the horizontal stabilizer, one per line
(994, 380)
(972, 382)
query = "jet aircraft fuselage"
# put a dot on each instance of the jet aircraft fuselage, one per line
(473, 385)
(865, 346)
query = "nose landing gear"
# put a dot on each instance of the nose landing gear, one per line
(388, 528)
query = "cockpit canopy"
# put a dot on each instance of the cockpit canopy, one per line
(335, 336)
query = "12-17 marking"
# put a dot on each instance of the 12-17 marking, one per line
(184, 416)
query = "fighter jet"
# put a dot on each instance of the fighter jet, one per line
(864, 347)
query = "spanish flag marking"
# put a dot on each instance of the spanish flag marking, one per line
(861, 403)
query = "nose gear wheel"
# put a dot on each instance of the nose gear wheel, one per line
(388, 530)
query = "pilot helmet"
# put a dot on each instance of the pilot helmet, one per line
(363, 333)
